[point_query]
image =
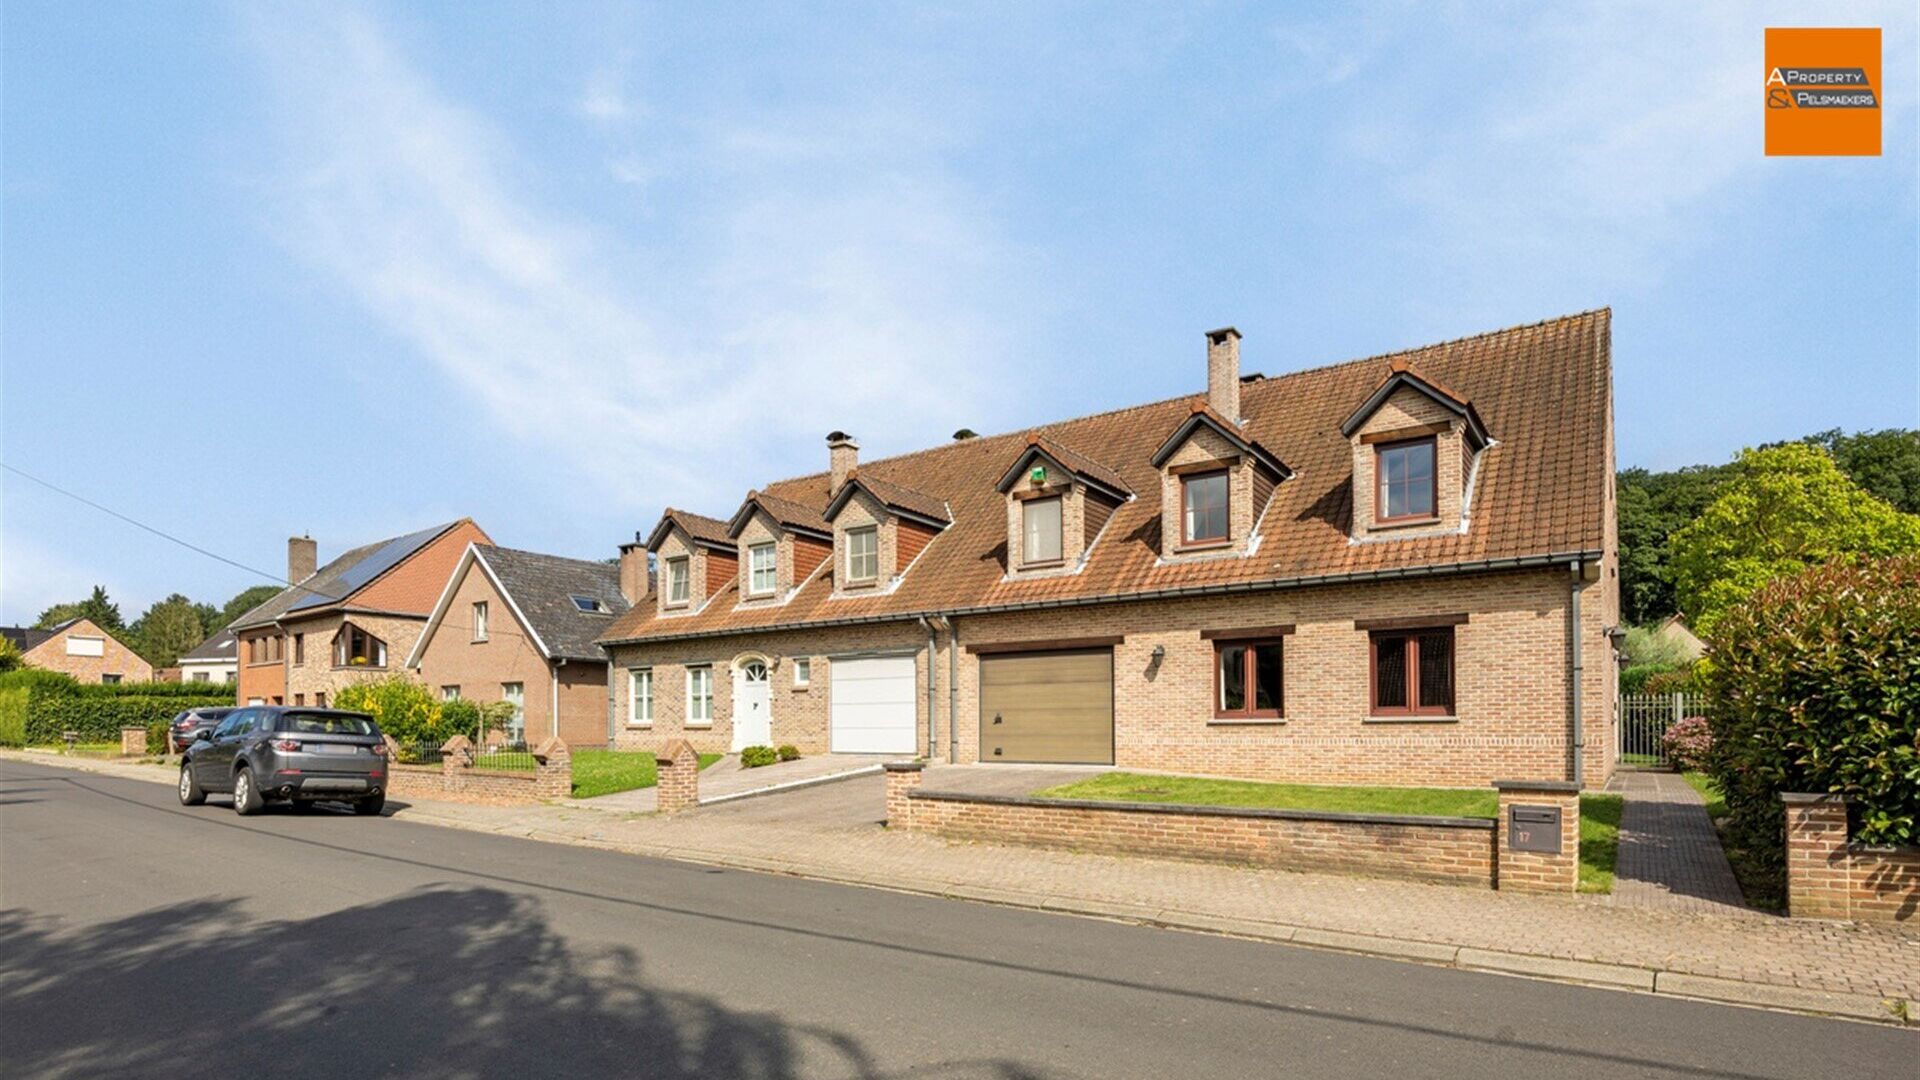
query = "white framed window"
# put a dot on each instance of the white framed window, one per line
(515, 694)
(762, 569)
(202, 676)
(699, 696)
(479, 620)
(449, 693)
(1040, 519)
(589, 605)
(640, 697)
(802, 671)
(863, 554)
(86, 646)
(677, 583)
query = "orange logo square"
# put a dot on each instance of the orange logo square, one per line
(1823, 91)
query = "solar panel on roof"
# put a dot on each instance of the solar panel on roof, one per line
(376, 562)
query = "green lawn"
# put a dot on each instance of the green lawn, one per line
(1702, 783)
(1763, 889)
(603, 772)
(1599, 814)
(1599, 840)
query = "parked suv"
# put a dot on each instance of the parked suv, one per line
(285, 752)
(189, 724)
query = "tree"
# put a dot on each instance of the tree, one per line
(1651, 507)
(170, 627)
(104, 612)
(246, 601)
(1886, 463)
(10, 658)
(1784, 508)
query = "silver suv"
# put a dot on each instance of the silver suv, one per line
(286, 752)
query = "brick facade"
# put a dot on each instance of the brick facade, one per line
(68, 651)
(1830, 877)
(317, 674)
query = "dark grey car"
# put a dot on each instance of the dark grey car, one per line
(187, 726)
(286, 752)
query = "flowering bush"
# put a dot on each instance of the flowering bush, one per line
(1688, 742)
(403, 708)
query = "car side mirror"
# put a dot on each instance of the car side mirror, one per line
(203, 735)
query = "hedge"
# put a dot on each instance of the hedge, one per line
(13, 716)
(1814, 686)
(99, 718)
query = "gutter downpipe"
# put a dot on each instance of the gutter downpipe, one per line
(1573, 652)
(933, 657)
(953, 688)
(554, 682)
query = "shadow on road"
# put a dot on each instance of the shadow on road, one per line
(439, 982)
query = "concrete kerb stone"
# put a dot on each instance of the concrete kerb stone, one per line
(1863, 1007)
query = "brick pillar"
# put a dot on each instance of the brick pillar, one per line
(456, 759)
(902, 777)
(1818, 863)
(552, 770)
(678, 770)
(133, 742)
(1524, 870)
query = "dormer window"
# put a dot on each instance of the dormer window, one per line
(1041, 530)
(677, 581)
(1203, 508)
(1406, 472)
(763, 569)
(354, 647)
(863, 554)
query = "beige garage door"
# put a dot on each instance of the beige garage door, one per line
(1054, 707)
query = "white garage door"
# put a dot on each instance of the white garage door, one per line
(873, 705)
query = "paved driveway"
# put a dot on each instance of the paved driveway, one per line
(725, 780)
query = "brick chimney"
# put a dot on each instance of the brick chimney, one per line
(303, 557)
(843, 454)
(633, 570)
(1223, 372)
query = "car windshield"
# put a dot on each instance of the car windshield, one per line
(327, 724)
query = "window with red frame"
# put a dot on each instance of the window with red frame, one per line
(1248, 682)
(1413, 672)
(1405, 471)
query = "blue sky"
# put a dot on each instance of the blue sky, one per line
(350, 270)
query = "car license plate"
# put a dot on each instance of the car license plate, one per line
(335, 748)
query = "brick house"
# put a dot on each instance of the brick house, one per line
(520, 626)
(1396, 570)
(80, 648)
(354, 619)
(215, 660)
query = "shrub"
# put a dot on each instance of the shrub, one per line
(157, 736)
(39, 680)
(99, 718)
(1686, 680)
(404, 709)
(755, 756)
(1815, 687)
(788, 752)
(1688, 743)
(460, 715)
(13, 716)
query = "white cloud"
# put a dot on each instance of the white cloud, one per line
(813, 306)
(605, 97)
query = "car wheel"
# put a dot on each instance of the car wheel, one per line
(246, 797)
(191, 793)
(371, 806)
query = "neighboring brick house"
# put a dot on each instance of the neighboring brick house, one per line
(215, 660)
(1382, 571)
(520, 626)
(80, 648)
(354, 619)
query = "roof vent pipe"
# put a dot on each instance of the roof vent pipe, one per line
(1223, 372)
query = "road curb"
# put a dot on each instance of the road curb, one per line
(1851, 1006)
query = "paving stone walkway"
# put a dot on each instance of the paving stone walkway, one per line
(725, 780)
(1670, 855)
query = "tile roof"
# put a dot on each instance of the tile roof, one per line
(542, 587)
(1544, 389)
(894, 494)
(699, 526)
(1073, 460)
(26, 637)
(337, 581)
(785, 511)
(221, 646)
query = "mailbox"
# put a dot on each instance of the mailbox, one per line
(1533, 828)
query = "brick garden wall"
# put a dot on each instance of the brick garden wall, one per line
(1831, 877)
(456, 780)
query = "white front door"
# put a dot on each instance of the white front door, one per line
(752, 701)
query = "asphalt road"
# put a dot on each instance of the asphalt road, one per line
(141, 938)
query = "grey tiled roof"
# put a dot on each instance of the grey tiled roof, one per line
(25, 637)
(543, 587)
(220, 646)
(340, 578)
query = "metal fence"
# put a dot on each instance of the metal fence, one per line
(504, 753)
(1644, 720)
